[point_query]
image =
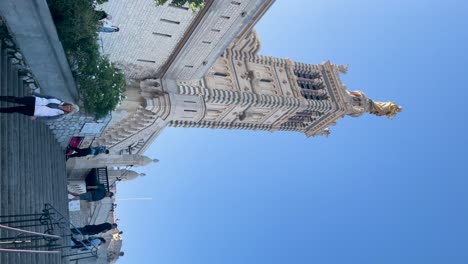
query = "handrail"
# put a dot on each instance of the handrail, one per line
(23, 231)
(29, 232)
(91, 249)
(28, 251)
(27, 241)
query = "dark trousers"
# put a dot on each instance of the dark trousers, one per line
(28, 103)
(79, 152)
(75, 231)
(79, 244)
(83, 231)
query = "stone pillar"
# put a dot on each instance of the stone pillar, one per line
(108, 160)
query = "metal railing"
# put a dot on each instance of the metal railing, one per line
(52, 235)
(103, 177)
(19, 239)
(89, 250)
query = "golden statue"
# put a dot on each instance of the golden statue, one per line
(360, 104)
(389, 109)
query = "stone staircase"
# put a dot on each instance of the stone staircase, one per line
(32, 166)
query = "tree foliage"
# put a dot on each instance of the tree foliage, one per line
(100, 82)
(104, 89)
(195, 5)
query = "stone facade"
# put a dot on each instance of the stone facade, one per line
(242, 90)
(203, 70)
(174, 41)
(223, 21)
(147, 37)
(188, 53)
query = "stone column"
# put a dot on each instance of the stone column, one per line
(79, 166)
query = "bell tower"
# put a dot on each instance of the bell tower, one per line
(244, 90)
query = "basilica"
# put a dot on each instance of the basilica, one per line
(203, 70)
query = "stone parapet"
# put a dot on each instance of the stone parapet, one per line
(34, 32)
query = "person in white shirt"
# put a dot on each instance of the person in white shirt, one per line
(38, 106)
(106, 26)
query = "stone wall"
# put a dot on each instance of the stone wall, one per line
(34, 32)
(152, 36)
(148, 34)
(78, 124)
(224, 21)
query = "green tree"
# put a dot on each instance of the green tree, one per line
(103, 90)
(100, 83)
(195, 5)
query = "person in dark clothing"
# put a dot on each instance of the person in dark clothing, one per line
(93, 194)
(92, 178)
(101, 14)
(82, 152)
(94, 229)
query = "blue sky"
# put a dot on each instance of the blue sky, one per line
(375, 191)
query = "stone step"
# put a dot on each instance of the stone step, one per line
(24, 142)
(4, 71)
(2, 125)
(4, 189)
(12, 181)
(1, 65)
(32, 165)
(3, 146)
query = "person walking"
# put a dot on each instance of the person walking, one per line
(81, 152)
(106, 26)
(93, 194)
(38, 106)
(101, 14)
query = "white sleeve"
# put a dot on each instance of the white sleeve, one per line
(41, 110)
(54, 101)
